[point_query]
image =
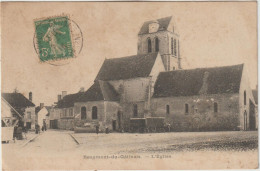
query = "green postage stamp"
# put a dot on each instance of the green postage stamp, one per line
(54, 38)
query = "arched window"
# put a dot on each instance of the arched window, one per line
(94, 112)
(149, 44)
(167, 109)
(83, 113)
(244, 97)
(135, 110)
(186, 108)
(156, 44)
(175, 47)
(172, 46)
(215, 107)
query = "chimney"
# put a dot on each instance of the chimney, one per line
(59, 97)
(41, 105)
(63, 94)
(30, 96)
(81, 89)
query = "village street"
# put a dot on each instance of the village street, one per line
(66, 150)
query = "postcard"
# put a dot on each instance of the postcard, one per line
(129, 85)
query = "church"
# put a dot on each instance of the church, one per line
(153, 83)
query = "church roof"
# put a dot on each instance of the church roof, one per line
(68, 100)
(163, 25)
(127, 67)
(17, 100)
(193, 81)
(99, 91)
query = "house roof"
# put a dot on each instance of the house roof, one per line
(199, 81)
(99, 91)
(255, 94)
(163, 25)
(127, 67)
(68, 100)
(17, 100)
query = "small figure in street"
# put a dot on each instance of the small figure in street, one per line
(19, 133)
(107, 130)
(37, 129)
(42, 128)
(97, 129)
(45, 126)
(15, 132)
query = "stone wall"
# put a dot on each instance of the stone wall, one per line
(170, 60)
(245, 87)
(201, 115)
(132, 90)
(106, 111)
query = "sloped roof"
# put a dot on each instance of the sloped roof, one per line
(99, 91)
(163, 25)
(127, 67)
(191, 82)
(68, 100)
(255, 94)
(17, 100)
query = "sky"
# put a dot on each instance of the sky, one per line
(211, 34)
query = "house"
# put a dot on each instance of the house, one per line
(23, 106)
(9, 116)
(205, 99)
(42, 113)
(64, 107)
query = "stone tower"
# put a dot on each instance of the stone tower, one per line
(160, 36)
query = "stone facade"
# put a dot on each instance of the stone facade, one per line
(30, 117)
(168, 46)
(66, 120)
(201, 114)
(106, 113)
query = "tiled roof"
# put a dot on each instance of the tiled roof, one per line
(17, 100)
(163, 25)
(199, 81)
(99, 91)
(68, 100)
(127, 67)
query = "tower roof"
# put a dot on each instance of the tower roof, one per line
(163, 25)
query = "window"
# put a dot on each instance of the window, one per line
(167, 109)
(215, 107)
(156, 44)
(135, 110)
(175, 47)
(172, 46)
(29, 115)
(186, 108)
(94, 112)
(83, 113)
(244, 97)
(149, 43)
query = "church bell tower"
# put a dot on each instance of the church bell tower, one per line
(160, 36)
